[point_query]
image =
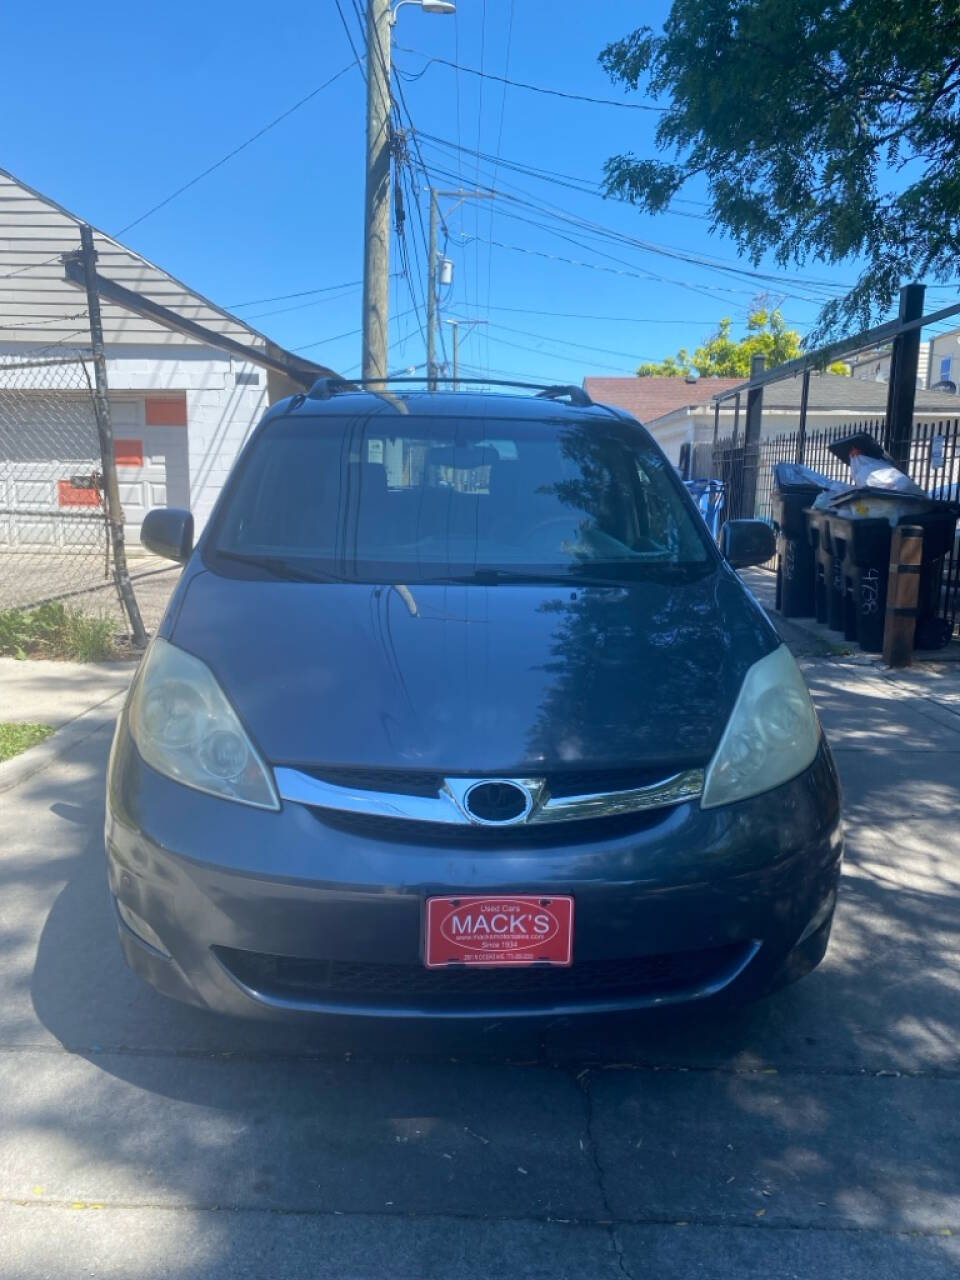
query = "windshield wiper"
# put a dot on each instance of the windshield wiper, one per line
(279, 567)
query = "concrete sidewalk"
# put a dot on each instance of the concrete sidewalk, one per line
(76, 698)
(55, 693)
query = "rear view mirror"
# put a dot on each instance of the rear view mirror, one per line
(747, 542)
(168, 532)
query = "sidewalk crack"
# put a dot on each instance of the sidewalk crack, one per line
(581, 1082)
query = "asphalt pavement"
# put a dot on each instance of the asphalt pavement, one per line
(814, 1134)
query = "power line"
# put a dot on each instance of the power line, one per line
(566, 342)
(812, 291)
(533, 88)
(42, 324)
(577, 315)
(351, 333)
(236, 150)
(561, 356)
(682, 255)
(34, 266)
(574, 262)
(298, 306)
(353, 47)
(475, 370)
(303, 293)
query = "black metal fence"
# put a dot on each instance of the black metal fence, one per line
(747, 469)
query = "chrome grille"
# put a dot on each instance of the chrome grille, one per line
(448, 805)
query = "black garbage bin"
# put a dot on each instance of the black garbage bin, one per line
(865, 568)
(796, 558)
(827, 567)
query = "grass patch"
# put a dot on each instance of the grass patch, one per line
(15, 738)
(56, 631)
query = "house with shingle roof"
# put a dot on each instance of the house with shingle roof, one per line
(683, 412)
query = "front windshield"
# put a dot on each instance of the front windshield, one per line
(407, 498)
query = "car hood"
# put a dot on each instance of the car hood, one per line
(477, 679)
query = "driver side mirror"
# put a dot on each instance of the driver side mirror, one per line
(747, 542)
(168, 532)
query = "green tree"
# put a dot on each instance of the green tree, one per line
(724, 357)
(825, 130)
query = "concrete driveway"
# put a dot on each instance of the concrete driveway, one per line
(816, 1134)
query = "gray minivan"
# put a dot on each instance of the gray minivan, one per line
(457, 711)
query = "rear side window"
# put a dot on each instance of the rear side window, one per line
(406, 497)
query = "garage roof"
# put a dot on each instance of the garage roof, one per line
(37, 306)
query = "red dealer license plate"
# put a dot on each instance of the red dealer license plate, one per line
(498, 931)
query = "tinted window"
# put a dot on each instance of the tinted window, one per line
(410, 498)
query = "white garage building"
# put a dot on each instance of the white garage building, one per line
(180, 406)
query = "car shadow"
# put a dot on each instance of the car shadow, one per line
(816, 1105)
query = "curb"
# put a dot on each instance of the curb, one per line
(34, 760)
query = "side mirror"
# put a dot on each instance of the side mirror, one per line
(168, 532)
(747, 542)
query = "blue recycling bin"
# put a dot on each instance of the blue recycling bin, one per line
(709, 496)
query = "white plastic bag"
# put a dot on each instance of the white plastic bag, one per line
(875, 473)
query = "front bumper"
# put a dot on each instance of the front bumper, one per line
(279, 914)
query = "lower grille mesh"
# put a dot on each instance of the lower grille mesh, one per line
(385, 985)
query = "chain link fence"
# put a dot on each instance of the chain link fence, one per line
(54, 533)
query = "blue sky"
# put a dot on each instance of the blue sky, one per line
(110, 108)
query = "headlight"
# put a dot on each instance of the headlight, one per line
(184, 727)
(773, 733)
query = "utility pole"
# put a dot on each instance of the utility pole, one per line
(376, 213)
(433, 273)
(433, 284)
(376, 234)
(101, 408)
(455, 326)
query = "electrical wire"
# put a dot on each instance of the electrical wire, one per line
(351, 333)
(302, 293)
(533, 88)
(353, 47)
(35, 266)
(236, 150)
(566, 342)
(560, 356)
(804, 291)
(577, 315)
(728, 265)
(42, 324)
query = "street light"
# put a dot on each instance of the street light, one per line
(376, 253)
(428, 6)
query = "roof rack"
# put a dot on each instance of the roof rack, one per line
(324, 388)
